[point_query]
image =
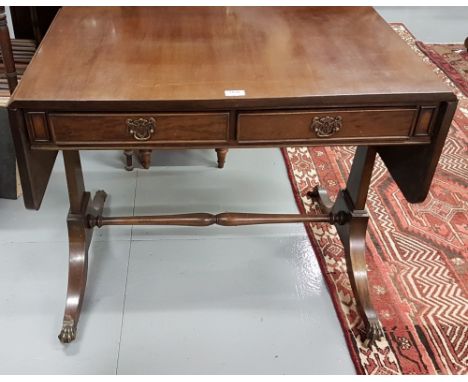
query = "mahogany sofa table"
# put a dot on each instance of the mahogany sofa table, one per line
(153, 78)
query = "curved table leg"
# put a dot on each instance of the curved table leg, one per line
(221, 153)
(350, 203)
(79, 236)
(357, 271)
(77, 273)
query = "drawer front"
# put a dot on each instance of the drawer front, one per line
(327, 125)
(138, 128)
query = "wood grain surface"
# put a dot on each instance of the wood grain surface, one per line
(155, 54)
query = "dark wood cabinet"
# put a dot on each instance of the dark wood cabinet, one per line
(32, 22)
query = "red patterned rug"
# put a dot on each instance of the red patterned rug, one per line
(416, 253)
(452, 59)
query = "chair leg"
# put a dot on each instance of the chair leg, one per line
(221, 153)
(128, 160)
(144, 156)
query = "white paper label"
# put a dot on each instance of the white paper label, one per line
(234, 93)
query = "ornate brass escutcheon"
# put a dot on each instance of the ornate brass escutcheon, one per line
(326, 126)
(141, 128)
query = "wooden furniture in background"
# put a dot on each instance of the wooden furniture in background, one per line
(32, 22)
(144, 157)
(15, 55)
(8, 62)
(223, 78)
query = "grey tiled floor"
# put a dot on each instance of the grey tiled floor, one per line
(173, 299)
(170, 300)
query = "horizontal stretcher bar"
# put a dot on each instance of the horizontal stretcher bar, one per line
(207, 219)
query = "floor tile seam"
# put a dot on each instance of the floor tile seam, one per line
(208, 238)
(62, 241)
(126, 278)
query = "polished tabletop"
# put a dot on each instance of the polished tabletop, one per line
(107, 54)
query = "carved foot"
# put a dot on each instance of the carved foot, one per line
(68, 332)
(320, 195)
(221, 153)
(372, 333)
(128, 160)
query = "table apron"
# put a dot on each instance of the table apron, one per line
(230, 129)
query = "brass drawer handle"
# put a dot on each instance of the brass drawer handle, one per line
(326, 126)
(141, 128)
